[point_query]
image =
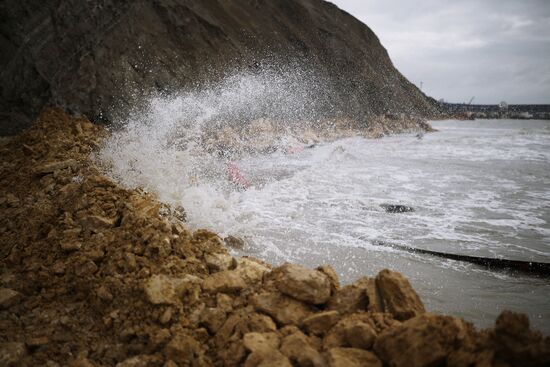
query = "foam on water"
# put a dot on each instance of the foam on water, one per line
(478, 188)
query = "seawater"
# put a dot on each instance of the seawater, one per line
(478, 188)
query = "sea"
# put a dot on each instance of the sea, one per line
(477, 188)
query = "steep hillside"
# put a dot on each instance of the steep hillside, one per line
(98, 58)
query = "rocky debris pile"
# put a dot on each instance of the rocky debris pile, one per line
(97, 275)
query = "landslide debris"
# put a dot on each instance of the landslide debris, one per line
(93, 274)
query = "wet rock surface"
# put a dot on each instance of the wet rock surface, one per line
(134, 287)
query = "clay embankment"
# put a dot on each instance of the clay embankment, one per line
(97, 275)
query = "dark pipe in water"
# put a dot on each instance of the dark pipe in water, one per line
(528, 267)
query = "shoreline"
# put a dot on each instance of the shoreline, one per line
(96, 275)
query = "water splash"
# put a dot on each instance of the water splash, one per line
(174, 144)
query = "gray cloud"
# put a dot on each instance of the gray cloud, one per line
(492, 49)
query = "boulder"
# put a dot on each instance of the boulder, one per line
(228, 281)
(321, 322)
(285, 310)
(399, 297)
(9, 297)
(425, 340)
(307, 285)
(352, 357)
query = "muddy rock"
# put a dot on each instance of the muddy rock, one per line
(285, 310)
(251, 270)
(9, 297)
(375, 303)
(351, 298)
(319, 323)
(307, 285)
(517, 344)
(299, 351)
(332, 276)
(351, 357)
(182, 349)
(269, 358)
(354, 331)
(213, 318)
(399, 297)
(261, 342)
(228, 281)
(219, 262)
(425, 340)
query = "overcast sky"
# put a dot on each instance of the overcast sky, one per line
(495, 50)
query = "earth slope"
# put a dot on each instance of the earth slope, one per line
(99, 57)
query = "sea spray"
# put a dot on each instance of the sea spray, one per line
(179, 145)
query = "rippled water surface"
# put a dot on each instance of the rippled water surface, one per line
(478, 188)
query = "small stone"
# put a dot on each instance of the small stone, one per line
(258, 342)
(283, 309)
(95, 222)
(9, 297)
(227, 281)
(304, 284)
(103, 293)
(352, 357)
(321, 322)
(12, 200)
(70, 245)
(55, 166)
(160, 289)
(11, 353)
(166, 316)
(37, 341)
(219, 262)
(400, 299)
(86, 269)
(137, 361)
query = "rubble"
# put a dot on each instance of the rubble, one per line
(94, 274)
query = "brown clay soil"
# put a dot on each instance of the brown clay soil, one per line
(93, 274)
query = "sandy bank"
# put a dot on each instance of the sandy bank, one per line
(97, 275)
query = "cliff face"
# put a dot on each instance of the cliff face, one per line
(100, 57)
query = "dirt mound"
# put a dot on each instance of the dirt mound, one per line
(97, 275)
